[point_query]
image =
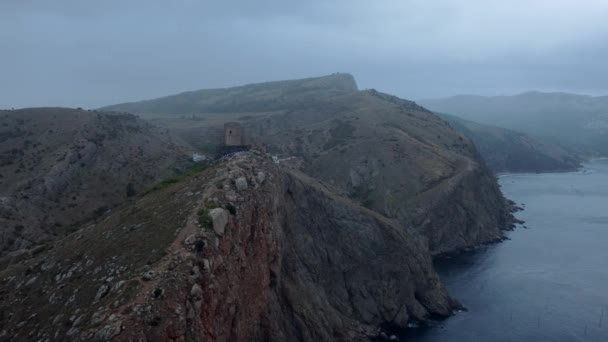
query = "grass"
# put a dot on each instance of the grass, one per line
(203, 215)
(193, 171)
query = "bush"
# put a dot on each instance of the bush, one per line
(204, 219)
(203, 215)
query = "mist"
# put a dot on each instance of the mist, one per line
(67, 53)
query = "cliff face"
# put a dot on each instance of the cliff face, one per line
(244, 251)
(394, 157)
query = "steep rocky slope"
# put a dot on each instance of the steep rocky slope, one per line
(60, 167)
(244, 251)
(388, 154)
(396, 158)
(504, 150)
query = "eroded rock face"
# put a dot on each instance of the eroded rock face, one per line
(298, 263)
(295, 263)
(396, 158)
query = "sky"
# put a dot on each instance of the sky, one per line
(92, 53)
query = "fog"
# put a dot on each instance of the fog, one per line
(95, 53)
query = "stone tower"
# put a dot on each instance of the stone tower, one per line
(232, 134)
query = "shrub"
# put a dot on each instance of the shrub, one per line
(203, 215)
(204, 219)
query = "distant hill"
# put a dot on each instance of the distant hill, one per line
(505, 150)
(60, 167)
(576, 122)
(259, 97)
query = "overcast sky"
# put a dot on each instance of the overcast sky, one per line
(94, 53)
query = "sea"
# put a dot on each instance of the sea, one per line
(549, 281)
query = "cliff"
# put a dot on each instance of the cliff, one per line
(388, 154)
(396, 158)
(244, 251)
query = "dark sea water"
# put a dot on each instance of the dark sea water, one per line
(550, 281)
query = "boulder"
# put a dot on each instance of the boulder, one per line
(196, 292)
(149, 275)
(261, 177)
(241, 183)
(219, 217)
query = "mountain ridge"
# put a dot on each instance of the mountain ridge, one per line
(578, 123)
(257, 97)
(508, 151)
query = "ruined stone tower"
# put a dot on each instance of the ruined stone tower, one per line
(232, 134)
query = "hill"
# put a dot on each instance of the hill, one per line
(396, 158)
(259, 97)
(334, 241)
(576, 122)
(505, 150)
(243, 251)
(386, 153)
(60, 167)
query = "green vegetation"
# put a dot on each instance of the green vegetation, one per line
(203, 215)
(193, 171)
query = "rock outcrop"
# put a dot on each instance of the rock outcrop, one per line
(295, 262)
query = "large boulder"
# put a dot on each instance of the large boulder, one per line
(241, 183)
(219, 217)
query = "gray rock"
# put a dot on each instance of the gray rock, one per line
(31, 281)
(241, 183)
(98, 316)
(149, 275)
(196, 292)
(261, 177)
(206, 266)
(77, 321)
(101, 292)
(73, 331)
(196, 272)
(108, 332)
(57, 319)
(219, 217)
(190, 240)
